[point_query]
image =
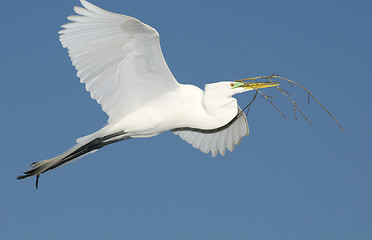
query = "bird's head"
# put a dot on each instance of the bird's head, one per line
(217, 97)
(229, 89)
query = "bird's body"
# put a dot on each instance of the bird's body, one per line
(184, 107)
(120, 61)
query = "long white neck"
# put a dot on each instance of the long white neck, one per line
(219, 104)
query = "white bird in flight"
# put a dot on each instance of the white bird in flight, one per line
(120, 61)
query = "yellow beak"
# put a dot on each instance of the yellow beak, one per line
(259, 85)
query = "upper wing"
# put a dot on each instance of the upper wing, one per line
(117, 57)
(217, 140)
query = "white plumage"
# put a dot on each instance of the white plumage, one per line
(118, 58)
(120, 61)
(218, 140)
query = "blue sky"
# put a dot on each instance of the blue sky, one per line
(287, 180)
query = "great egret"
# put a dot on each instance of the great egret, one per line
(120, 61)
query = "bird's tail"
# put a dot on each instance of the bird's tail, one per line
(74, 153)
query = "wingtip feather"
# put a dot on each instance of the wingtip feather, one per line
(82, 11)
(92, 7)
(214, 153)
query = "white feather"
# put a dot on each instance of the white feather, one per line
(118, 51)
(217, 141)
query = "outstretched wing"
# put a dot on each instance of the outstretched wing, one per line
(217, 140)
(117, 57)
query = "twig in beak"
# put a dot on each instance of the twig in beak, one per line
(295, 105)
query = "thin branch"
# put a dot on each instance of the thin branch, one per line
(295, 113)
(287, 95)
(256, 78)
(313, 98)
(269, 101)
(295, 105)
(248, 107)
